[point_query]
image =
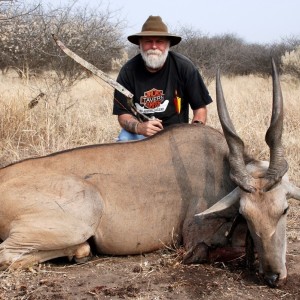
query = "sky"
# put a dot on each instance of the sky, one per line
(255, 21)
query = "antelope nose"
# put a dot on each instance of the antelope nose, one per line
(271, 280)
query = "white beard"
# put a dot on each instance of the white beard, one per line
(154, 59)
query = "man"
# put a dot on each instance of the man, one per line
(164, 84)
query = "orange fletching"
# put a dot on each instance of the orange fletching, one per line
(177, 103)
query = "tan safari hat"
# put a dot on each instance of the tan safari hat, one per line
(154, 26)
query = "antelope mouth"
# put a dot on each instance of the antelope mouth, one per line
(273, 280)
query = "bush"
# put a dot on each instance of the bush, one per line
(26, 42)
(291, 62)
(231, 54)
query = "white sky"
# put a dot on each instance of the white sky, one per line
(255, 21)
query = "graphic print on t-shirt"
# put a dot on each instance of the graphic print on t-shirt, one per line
(152, 101)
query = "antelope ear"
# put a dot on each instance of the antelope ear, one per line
(224, 203)
(293, 192)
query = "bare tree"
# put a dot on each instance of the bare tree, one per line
(26, 43)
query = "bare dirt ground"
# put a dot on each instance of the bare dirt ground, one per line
(158, 275)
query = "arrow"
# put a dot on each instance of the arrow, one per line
(101, 75)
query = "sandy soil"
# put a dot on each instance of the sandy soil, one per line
(158, 275)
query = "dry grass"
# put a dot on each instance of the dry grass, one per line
(249, 101)
(64, 118)
(82, 115)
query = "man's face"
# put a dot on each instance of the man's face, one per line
(154, 51)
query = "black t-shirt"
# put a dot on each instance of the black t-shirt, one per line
(165, 94)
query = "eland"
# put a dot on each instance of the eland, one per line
(185, 185)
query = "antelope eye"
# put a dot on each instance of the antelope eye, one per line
(285, 211)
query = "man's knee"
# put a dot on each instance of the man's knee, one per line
(128, 136)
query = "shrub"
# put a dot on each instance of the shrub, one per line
(291, 62)
(26, 42)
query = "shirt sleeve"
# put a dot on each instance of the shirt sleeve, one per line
(195, 90)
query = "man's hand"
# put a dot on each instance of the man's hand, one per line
(150, 127)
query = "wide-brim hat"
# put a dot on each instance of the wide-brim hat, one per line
(154, 26)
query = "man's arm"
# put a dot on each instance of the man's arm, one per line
(131, 124)
(200, 115)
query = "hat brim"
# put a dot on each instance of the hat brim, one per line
(135, 38)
